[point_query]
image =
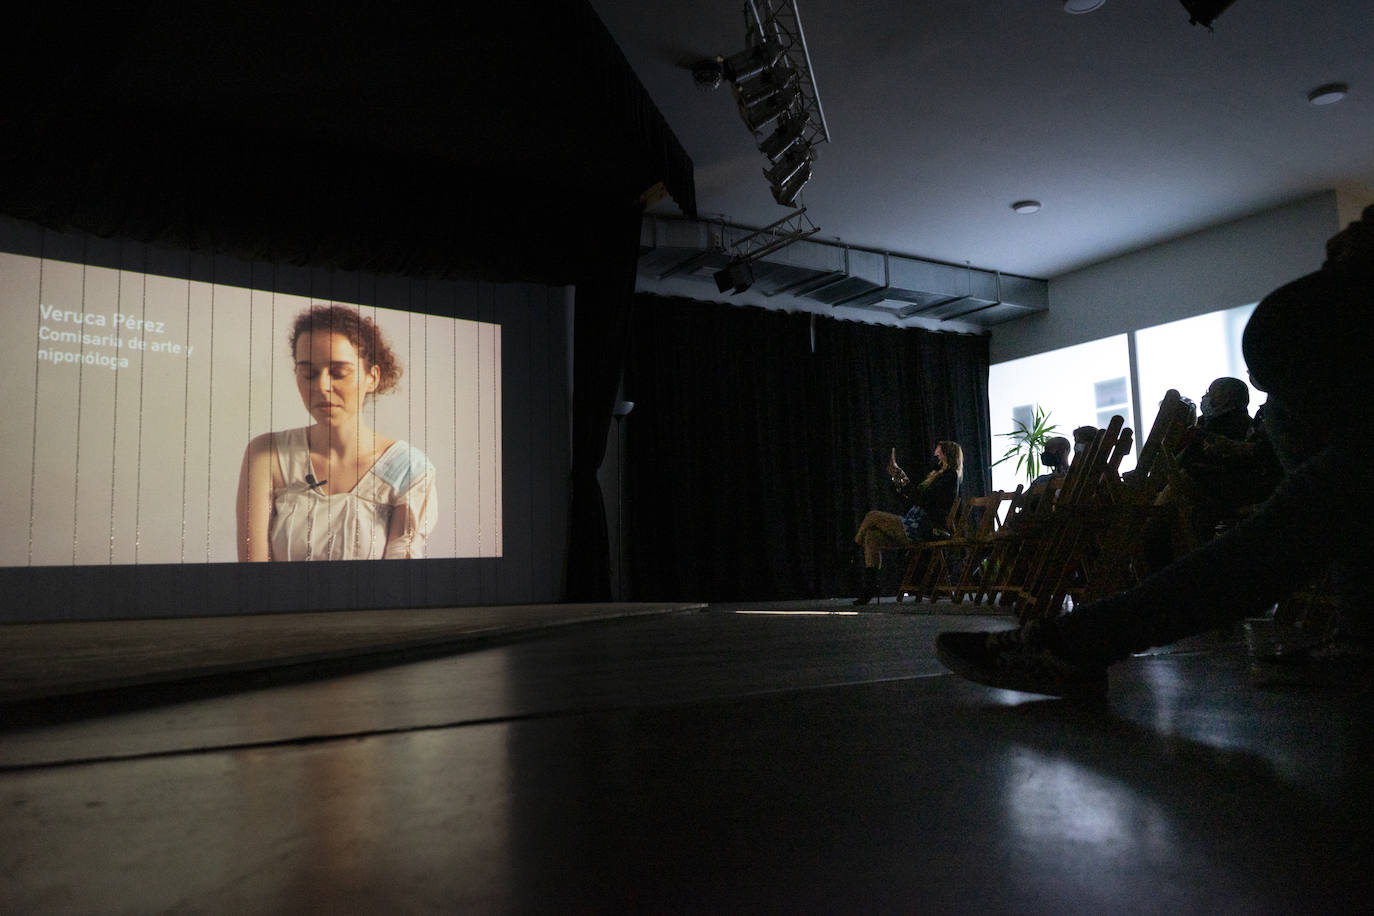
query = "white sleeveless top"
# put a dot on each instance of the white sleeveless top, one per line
(309, 524)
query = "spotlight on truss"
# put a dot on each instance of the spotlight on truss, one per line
(785, 192)
(773, 86)
(737, 276)
(791, 128)
(709, 72)
(788, 166)
(762, 54)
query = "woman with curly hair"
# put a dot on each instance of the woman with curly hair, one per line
(337, 489)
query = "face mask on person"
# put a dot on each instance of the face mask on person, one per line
(1214, 421)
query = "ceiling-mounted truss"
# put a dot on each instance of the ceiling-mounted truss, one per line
(784, 266)
(779, 21)
(774, 86)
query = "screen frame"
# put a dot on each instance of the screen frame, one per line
(535, 456)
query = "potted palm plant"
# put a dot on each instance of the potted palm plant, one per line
(1028, 441)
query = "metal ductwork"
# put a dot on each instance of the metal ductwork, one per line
(836, 275)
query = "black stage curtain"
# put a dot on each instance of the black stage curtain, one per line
(751, 456)
(458, 141)
(601, 326)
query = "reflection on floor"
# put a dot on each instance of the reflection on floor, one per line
(711, 761)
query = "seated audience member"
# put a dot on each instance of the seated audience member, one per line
(1056, 458)
(1224, 410)
(1223, 465)
(1303, 345)
(931, 503)
(1083, 438)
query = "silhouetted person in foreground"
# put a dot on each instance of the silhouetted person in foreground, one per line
(1225, 466)
(1305, 345)
(1224, 410)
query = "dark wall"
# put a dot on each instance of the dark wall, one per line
(534, 393)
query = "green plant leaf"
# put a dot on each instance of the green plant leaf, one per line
(1028, 442)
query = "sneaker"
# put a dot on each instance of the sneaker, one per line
(1021, 660)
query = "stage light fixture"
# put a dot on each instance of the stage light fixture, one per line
(773, 81)
(751, 62)
(786, 168)
(774, 88)
(757, 117)
(790, 129)
(737, 276)
(708, 73)
(786, 194)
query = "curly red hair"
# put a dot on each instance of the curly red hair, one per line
(360, 330)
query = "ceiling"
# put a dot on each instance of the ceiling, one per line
(1130, 125)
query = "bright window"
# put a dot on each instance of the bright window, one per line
(1087, 384)
(1188, 355)
(1078, 385)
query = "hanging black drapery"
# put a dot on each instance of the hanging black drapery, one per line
(601, 324)
(751, 458)
(392, 142)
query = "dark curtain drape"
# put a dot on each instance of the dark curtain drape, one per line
(751, 456)
(394, 141)
(601, 324)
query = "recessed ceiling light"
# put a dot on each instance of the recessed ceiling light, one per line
(1328, 94)
(1082, 6)
(1026, 206)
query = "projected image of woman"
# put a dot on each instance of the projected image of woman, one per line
(337, 489)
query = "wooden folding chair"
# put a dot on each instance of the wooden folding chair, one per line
(948, 568)
(1120, 561)
(1059, 551)
(1094, 508)
(1159, 451)
(1096, 548)
(1012, 549)
(927, 562)
(977, 546)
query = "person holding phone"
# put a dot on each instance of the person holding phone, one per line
(931, 501)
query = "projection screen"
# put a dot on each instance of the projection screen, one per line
(130, 396)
